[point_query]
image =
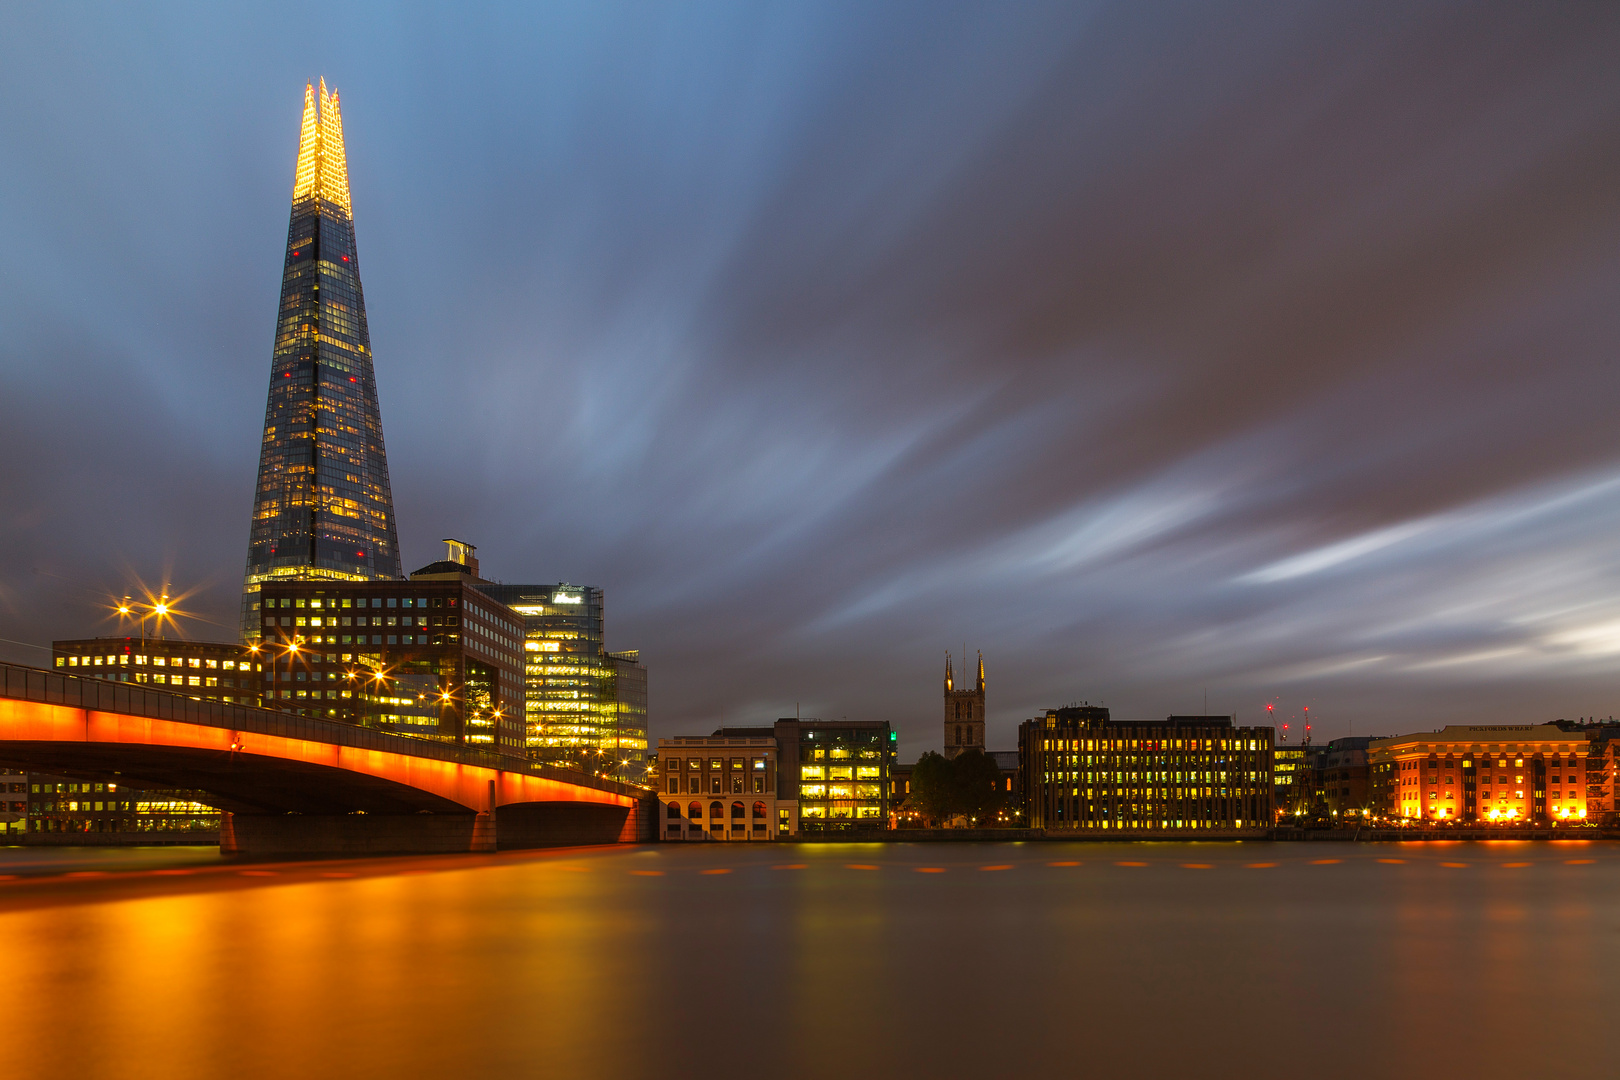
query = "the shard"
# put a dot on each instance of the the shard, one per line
(323, 508)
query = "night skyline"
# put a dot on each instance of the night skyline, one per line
(1261, 351)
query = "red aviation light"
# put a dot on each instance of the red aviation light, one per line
(345, 258)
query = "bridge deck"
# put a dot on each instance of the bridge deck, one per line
(96, 695)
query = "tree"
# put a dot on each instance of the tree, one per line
(977, 781)
(968, 785)
(931, 787)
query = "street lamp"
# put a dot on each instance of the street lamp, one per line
(258, 682)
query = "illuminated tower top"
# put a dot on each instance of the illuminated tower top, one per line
(323, 507)
(964, 712)
(323, 167)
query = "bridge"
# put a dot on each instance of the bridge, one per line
(292, 785)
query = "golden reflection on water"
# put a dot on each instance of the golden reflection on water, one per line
(640, 963)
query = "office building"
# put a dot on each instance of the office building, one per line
(67, 809)
(830, 775)
(432, 659)
(1343, 778)
(722, 787)
(1503, 774)
(583, 705)
(629, 697)
(835, 775)
(1084, 770)
(838, 772)
(13, 802)
(210, 670)
(323, 508)
(1290, 764)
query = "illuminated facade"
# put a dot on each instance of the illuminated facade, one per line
(1290, 771)
(838, 774)
(964, 712)
(569, 709)
(831, 775)
(210, 670)
(431, 659)
(629, 697)
(1489, 774)
(63, 809)
(323, 509)
(722, 788)
(1084, 770)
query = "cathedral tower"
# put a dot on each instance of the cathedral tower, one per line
(323, 507)
(964, 712)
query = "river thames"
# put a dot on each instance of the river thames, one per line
(987, 960)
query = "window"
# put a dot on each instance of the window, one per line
(692, 787)
(695, 811)
(736, 785)
(714, 784)
(759, 785)
(737, 810)
(675, 810)
(716, 811)
(759, 810)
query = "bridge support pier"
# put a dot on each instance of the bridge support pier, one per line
(483, 835)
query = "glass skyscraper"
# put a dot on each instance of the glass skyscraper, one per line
(323, 508)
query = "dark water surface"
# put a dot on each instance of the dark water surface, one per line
(983, 960)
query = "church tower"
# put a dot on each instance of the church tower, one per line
(964, 712)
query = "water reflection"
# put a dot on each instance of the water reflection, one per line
(588, 963)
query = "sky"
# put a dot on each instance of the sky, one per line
(1179, 357)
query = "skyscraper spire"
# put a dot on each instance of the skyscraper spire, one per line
(323, 507)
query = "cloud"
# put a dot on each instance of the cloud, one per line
(1264, 349)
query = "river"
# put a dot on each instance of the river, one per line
(912, 960)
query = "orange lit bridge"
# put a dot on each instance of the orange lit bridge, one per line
(288, 784)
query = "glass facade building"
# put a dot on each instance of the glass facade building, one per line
(569, 710)
(629, 696)
(323, 508)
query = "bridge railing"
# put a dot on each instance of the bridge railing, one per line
(58, 688)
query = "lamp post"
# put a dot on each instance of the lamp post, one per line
(446, 702)
(258, 688)
(160, 610)
(291, 653)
